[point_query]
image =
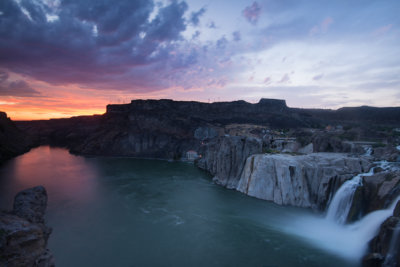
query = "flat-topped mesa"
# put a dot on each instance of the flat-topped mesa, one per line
(267, 111)
(277, 104)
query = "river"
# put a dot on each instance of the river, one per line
(134, 212)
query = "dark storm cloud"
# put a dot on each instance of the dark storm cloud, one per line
(93, 41)
(15, 88)
(169, 23)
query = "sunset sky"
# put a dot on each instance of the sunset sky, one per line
(65, 58)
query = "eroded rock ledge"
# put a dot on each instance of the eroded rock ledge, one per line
(23, 232)
(302, 180)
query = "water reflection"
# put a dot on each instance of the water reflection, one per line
(66, 177)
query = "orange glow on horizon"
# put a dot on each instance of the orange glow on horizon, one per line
(28, 115)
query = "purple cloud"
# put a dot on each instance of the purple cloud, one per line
(252, 13)
(96, 43)
(15, 88)
(222, 43)
(236, 36)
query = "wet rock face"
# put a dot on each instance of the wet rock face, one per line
(380, 190)
(225, 157)
(304, 180)
(23, 233)
(396, 211)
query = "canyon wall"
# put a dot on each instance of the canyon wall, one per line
(225, 158)
(168, 129)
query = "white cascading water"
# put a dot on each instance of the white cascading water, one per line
(368, 150)
(390, 260)
(349, 241)
(342, 200)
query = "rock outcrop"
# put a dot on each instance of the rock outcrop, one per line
(23, 232)
(298, 180)
(13, 141)
(225, 157)
(380, 190)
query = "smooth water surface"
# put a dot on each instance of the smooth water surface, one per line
(131, 212)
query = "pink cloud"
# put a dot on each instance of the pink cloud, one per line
(322, 27)
(267, 80)
(383, 30)
(252, 13)
(326, 23)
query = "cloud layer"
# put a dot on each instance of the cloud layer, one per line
(102, 50)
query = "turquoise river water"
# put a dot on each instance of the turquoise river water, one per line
(134, 212)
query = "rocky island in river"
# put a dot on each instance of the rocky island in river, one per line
(291, 156)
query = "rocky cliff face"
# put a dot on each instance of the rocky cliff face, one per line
(167, 129)
(303, 181)
(23, 232)
(13, 141)
(225, 157)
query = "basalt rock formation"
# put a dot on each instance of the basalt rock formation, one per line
(380, 190)
(23, 232)
(167, 129)
(157, 128)
(13, 141)
(225, 157)
(298, 180)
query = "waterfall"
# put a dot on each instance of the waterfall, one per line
(349, 241)
(368, 150)
(340, 205)
(390, 260)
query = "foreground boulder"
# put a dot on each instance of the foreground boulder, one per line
(23, 232)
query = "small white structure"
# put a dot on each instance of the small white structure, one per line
(191, 155)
